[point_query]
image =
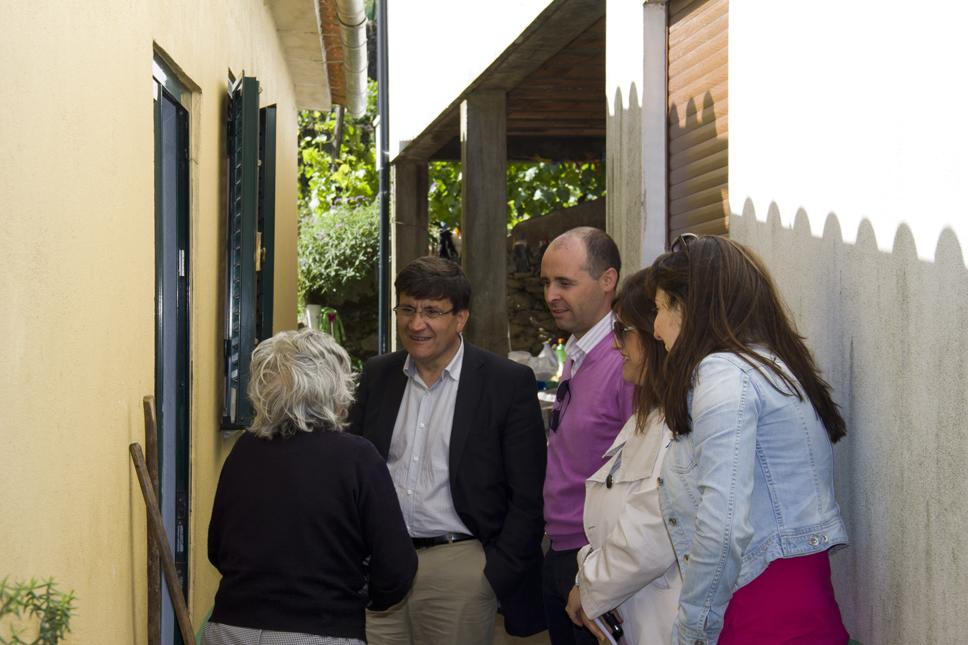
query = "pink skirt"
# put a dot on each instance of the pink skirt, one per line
(791, 603)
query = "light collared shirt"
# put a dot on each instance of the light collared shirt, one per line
(577, 348)
(419, 458)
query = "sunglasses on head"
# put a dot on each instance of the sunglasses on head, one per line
(681, 243)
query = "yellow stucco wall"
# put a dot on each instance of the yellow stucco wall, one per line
(77, 292)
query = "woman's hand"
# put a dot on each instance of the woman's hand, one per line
(580, 618)
(590, 625)
(573, 608)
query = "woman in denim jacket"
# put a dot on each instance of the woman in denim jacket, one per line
(747, 484)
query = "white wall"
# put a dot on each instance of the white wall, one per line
(848, 164)
(862, 102)
(437, 47)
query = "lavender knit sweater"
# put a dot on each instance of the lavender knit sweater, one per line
(598, 405)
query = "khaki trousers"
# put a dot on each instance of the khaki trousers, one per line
(451, 602)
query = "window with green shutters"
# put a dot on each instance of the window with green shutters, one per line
(250, 137)
(267, 221)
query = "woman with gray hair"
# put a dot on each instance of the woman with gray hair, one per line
(306, 529)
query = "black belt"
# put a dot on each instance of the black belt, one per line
(437, 540)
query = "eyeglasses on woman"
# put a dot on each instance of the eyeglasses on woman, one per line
(620, 329)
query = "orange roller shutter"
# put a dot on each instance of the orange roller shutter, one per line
(698, 117)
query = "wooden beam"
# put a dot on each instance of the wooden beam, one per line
(539, 148)
(409, 212)
(484, 216)
(560, 116)
(559, 131)
(158, 529)
(154, 558)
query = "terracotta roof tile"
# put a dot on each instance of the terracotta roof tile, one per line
(334, 51)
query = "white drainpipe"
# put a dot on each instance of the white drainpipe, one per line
(352, 19)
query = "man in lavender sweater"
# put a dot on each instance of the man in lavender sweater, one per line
(580, 272)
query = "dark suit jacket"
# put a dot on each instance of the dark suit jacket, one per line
(497, 454)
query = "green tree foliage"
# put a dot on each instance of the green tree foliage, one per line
(337, 252)
(338, 213)
(350, 177)
(534, 188)
(339, 221)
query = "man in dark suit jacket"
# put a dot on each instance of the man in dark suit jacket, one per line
(463, 436)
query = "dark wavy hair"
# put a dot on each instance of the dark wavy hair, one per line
(634, 308)
(434, 278)
(730, 304)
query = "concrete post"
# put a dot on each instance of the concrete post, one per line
(408, 212)
(635, 130)
(483, 130)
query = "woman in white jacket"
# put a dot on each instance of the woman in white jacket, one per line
(629, 565)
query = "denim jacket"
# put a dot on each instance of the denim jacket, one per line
(752, 482)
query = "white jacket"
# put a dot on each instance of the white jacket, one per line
(630, 563)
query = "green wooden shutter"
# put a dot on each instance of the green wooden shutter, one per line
(243, 195)
(267, 220)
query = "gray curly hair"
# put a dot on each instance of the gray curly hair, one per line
(300, 381)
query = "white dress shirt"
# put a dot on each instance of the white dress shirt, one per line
(419, 458)
(577, 348)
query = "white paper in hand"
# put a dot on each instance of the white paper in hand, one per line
(605, 630)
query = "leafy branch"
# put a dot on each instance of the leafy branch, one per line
(39, 602)
(533, 188)
(328, 177)
(337, 252)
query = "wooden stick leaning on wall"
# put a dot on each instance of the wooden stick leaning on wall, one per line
(154, 561)
(158, 528)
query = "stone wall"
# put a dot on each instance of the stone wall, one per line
(530, 324)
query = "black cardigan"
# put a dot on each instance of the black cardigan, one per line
(293, 521)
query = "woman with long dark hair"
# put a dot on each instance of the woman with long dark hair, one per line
(747, 492)
(629, 565)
